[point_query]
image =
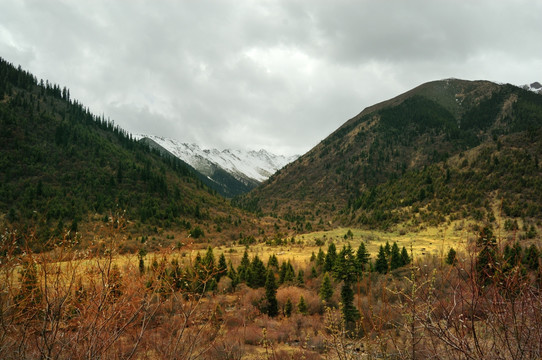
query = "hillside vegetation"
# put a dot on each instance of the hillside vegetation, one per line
(445, 150)
(64, 169)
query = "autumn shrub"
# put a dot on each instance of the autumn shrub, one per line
(252, 334)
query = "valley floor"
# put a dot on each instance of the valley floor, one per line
(269, 301)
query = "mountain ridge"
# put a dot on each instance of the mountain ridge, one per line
(248, 168)
(404, 135)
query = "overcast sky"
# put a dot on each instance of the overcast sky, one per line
(278, 75)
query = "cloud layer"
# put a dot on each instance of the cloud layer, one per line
(279, 75)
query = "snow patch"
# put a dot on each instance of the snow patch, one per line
(255, 165)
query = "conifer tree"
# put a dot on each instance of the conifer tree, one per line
(271, 294)
(346, 269)
(387, 249)
(314, 273)
(346, 265)
(404, 257)
(209, 260)
(451, 257)
(300, 277)
(320, 258)
(331, 257)
(326, 289)
(288, 307)
(531, 258)
(257, 273)
(302, 306)
(209, 269)
(350, 313)
(243, 269)
(232, 274)
(362, 257)
(485, 261)
(222, 267)
(286, 273)
(141, 255)
(381, 264)
(273, 262)
(396, 261)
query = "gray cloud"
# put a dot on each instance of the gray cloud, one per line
(279, 75)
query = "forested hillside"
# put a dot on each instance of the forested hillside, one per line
(61, 165)
(447, 149)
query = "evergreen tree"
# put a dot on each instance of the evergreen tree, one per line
(486, 259)
(232, 274)
(451, 259)
(381, 264)
(531, 258)
(302, 306)
(209, 260)
(346, 269)
(387, 249)
(362, 257)
(350, 313)
(243, 270)
(396, 261)
(326, 289)
(198, 278)
(141, 255)
(314, 273)
(257, 273)
(273, 262)
(405, 259)
(209, 269)
(320, 258)
(222, 268)
(331, 257)
(300, 277)
(288, 307)
(286, 273)
(176, 275)
(515, 255)
(271, 294)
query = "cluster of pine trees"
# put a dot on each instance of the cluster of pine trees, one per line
(345, 267)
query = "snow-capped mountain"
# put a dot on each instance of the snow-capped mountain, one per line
(248, 167)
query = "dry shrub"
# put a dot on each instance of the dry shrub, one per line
(295, 354)
(314, 304)
(224, 285)
(252, 334)
(227, 348)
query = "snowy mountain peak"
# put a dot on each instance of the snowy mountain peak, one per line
(246, 166)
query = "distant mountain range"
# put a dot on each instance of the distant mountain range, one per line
(231, 172)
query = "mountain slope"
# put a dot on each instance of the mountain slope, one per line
(397, 141)
(232, 172)
(62, 168)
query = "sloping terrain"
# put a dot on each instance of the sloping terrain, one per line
(62, 167)
(395, 144)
